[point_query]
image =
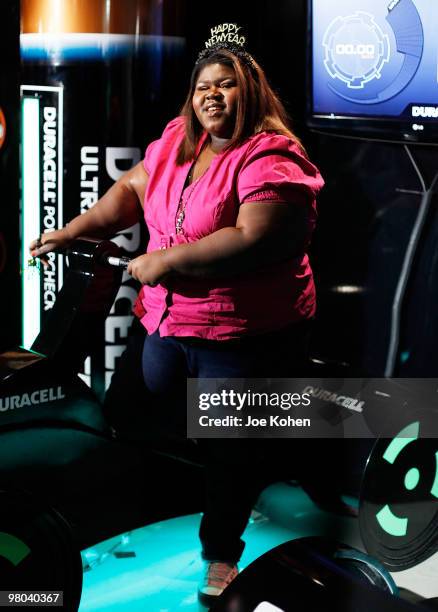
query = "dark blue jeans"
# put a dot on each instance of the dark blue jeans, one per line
(234, 469)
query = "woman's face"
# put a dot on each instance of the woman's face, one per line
(215, 99)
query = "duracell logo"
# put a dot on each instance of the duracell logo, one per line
(325, 395)
(425, 111)
(40, 396)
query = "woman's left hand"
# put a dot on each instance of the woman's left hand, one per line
(150, 269)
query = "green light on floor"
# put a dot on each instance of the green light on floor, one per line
(412, 478)
(165, 572)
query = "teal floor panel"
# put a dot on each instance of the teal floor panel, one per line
(157, 568)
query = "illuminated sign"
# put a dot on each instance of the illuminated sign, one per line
(42, 198)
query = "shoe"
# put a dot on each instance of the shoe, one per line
(217, 577)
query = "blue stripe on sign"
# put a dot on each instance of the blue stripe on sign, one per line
(65, 47)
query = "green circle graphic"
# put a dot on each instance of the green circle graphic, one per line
(412, 478)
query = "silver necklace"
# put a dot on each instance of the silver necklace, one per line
(181, 211)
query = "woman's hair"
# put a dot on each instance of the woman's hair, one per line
(258, 107)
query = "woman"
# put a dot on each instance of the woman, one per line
(229, 200)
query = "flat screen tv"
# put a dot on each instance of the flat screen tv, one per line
(373, 69)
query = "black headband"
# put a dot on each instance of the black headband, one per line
(236, 50)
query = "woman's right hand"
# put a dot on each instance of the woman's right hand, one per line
(50, 241)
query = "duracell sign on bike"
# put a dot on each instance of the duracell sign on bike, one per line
(95, 74)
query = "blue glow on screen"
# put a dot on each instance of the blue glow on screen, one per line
(375, 58)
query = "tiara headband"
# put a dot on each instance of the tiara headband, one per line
(226, 36)
(226, 32)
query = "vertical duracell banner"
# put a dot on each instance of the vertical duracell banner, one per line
(95, 81)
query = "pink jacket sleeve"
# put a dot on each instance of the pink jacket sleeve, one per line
(277, 169)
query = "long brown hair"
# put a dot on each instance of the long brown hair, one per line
(258, 107)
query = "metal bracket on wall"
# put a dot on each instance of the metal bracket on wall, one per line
(408, 262)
